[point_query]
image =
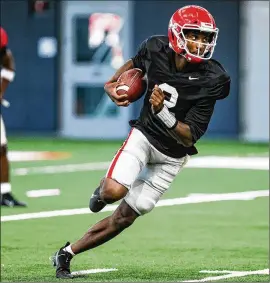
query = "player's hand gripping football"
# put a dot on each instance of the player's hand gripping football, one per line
(119, 100)
(157, 99)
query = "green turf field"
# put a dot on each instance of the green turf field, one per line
(172, 243)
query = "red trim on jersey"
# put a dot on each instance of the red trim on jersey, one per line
(110, 172)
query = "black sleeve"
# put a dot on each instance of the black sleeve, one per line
(219, 85)
(198, 117)
(141, 56)
(220, 89)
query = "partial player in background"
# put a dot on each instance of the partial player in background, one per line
(184, 84)
(7, 76)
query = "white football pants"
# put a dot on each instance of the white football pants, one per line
(144, 171)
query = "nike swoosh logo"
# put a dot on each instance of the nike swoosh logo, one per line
(191, 78)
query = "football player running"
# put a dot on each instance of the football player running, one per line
(7, 75)
(184, 84)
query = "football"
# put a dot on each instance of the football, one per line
(134, 84)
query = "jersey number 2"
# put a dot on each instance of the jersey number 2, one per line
(173, 92)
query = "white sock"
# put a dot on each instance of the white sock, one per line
(69, 250)
(5, 188)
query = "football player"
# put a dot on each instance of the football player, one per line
(184, 84)
(7, 76)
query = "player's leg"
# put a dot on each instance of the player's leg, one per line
(7, 199)
(154, 181)
(100, 233)
(106, 229)
(122, 172)
(142, 197)
(144, 193)
(124, 169)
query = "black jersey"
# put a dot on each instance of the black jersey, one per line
(3, 52)
(190, 94)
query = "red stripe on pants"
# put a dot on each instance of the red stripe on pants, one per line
(109, 175)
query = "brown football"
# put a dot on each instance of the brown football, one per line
(134, 84)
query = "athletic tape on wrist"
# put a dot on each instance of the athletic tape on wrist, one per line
(7, 74)
(167, 118)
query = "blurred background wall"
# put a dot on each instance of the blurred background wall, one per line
(66, 50)
(254, 72)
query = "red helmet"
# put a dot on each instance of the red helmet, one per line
(192, 18)
(3, 38)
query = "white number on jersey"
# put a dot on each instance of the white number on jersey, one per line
(174, 94)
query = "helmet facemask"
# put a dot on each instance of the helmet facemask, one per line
(182, 41)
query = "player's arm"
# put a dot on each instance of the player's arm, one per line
(196, 122)
(127, 66)
(197, 119)
(110, 86)
(199, 116)
(180, 131)
(138, 61)
(7, 72)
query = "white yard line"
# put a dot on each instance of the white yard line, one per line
(195, 198)
(43, 193)
(91, 271)
(230, 162)
(231, 274)
(250, 163)
(56, 169)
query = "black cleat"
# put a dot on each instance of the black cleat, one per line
(61, 261)
(9, 200)
(96, 204)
